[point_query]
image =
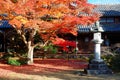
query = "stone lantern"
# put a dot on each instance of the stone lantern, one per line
(97, 65)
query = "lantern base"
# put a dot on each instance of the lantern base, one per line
(97, 67)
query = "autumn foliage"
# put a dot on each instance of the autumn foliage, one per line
(50, 16)
(65, 44)
(47, 17)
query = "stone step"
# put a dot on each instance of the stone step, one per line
(98, 66)
(99, 71)
(95, 67)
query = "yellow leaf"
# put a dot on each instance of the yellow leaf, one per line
(58, 15)
(22, 19)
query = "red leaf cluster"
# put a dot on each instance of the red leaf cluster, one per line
(65, 44)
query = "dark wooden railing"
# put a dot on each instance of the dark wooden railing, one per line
(69, 55)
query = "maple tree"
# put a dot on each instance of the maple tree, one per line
(65, 44)
(47, 17)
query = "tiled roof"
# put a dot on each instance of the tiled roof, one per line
(108, 10)
(105, 10)
(4, 24)
(84, 28)
(106, 28)
(111, 27)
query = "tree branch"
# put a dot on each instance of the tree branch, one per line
(39, 44)
(21, 33)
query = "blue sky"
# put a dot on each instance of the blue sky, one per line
(104, 1)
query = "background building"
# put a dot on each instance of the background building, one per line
(110, 23)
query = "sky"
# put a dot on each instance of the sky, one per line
(104, 1)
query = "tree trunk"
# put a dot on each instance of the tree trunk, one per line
(30, 53)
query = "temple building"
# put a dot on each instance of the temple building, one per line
(110, 23)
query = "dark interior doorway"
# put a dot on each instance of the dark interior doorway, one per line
(114, 37)
(1, 42)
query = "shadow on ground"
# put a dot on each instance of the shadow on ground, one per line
(50, 70)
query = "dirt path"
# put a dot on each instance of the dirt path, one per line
(50, 70)
(63, 75)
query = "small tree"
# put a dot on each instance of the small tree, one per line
(47, 17)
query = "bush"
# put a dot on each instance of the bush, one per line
(113, 62)
(16, 61)
(51, 48)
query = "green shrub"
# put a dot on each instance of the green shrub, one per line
(90, 58)
(113, 62)
(14, 61)
(51, 48)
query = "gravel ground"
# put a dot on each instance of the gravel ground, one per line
(63, 75)
(51, 70)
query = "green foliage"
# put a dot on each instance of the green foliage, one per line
(113, 62)
(51, 48)
(14, 61)
(91, 57)
(107, 59)
(54, 50)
